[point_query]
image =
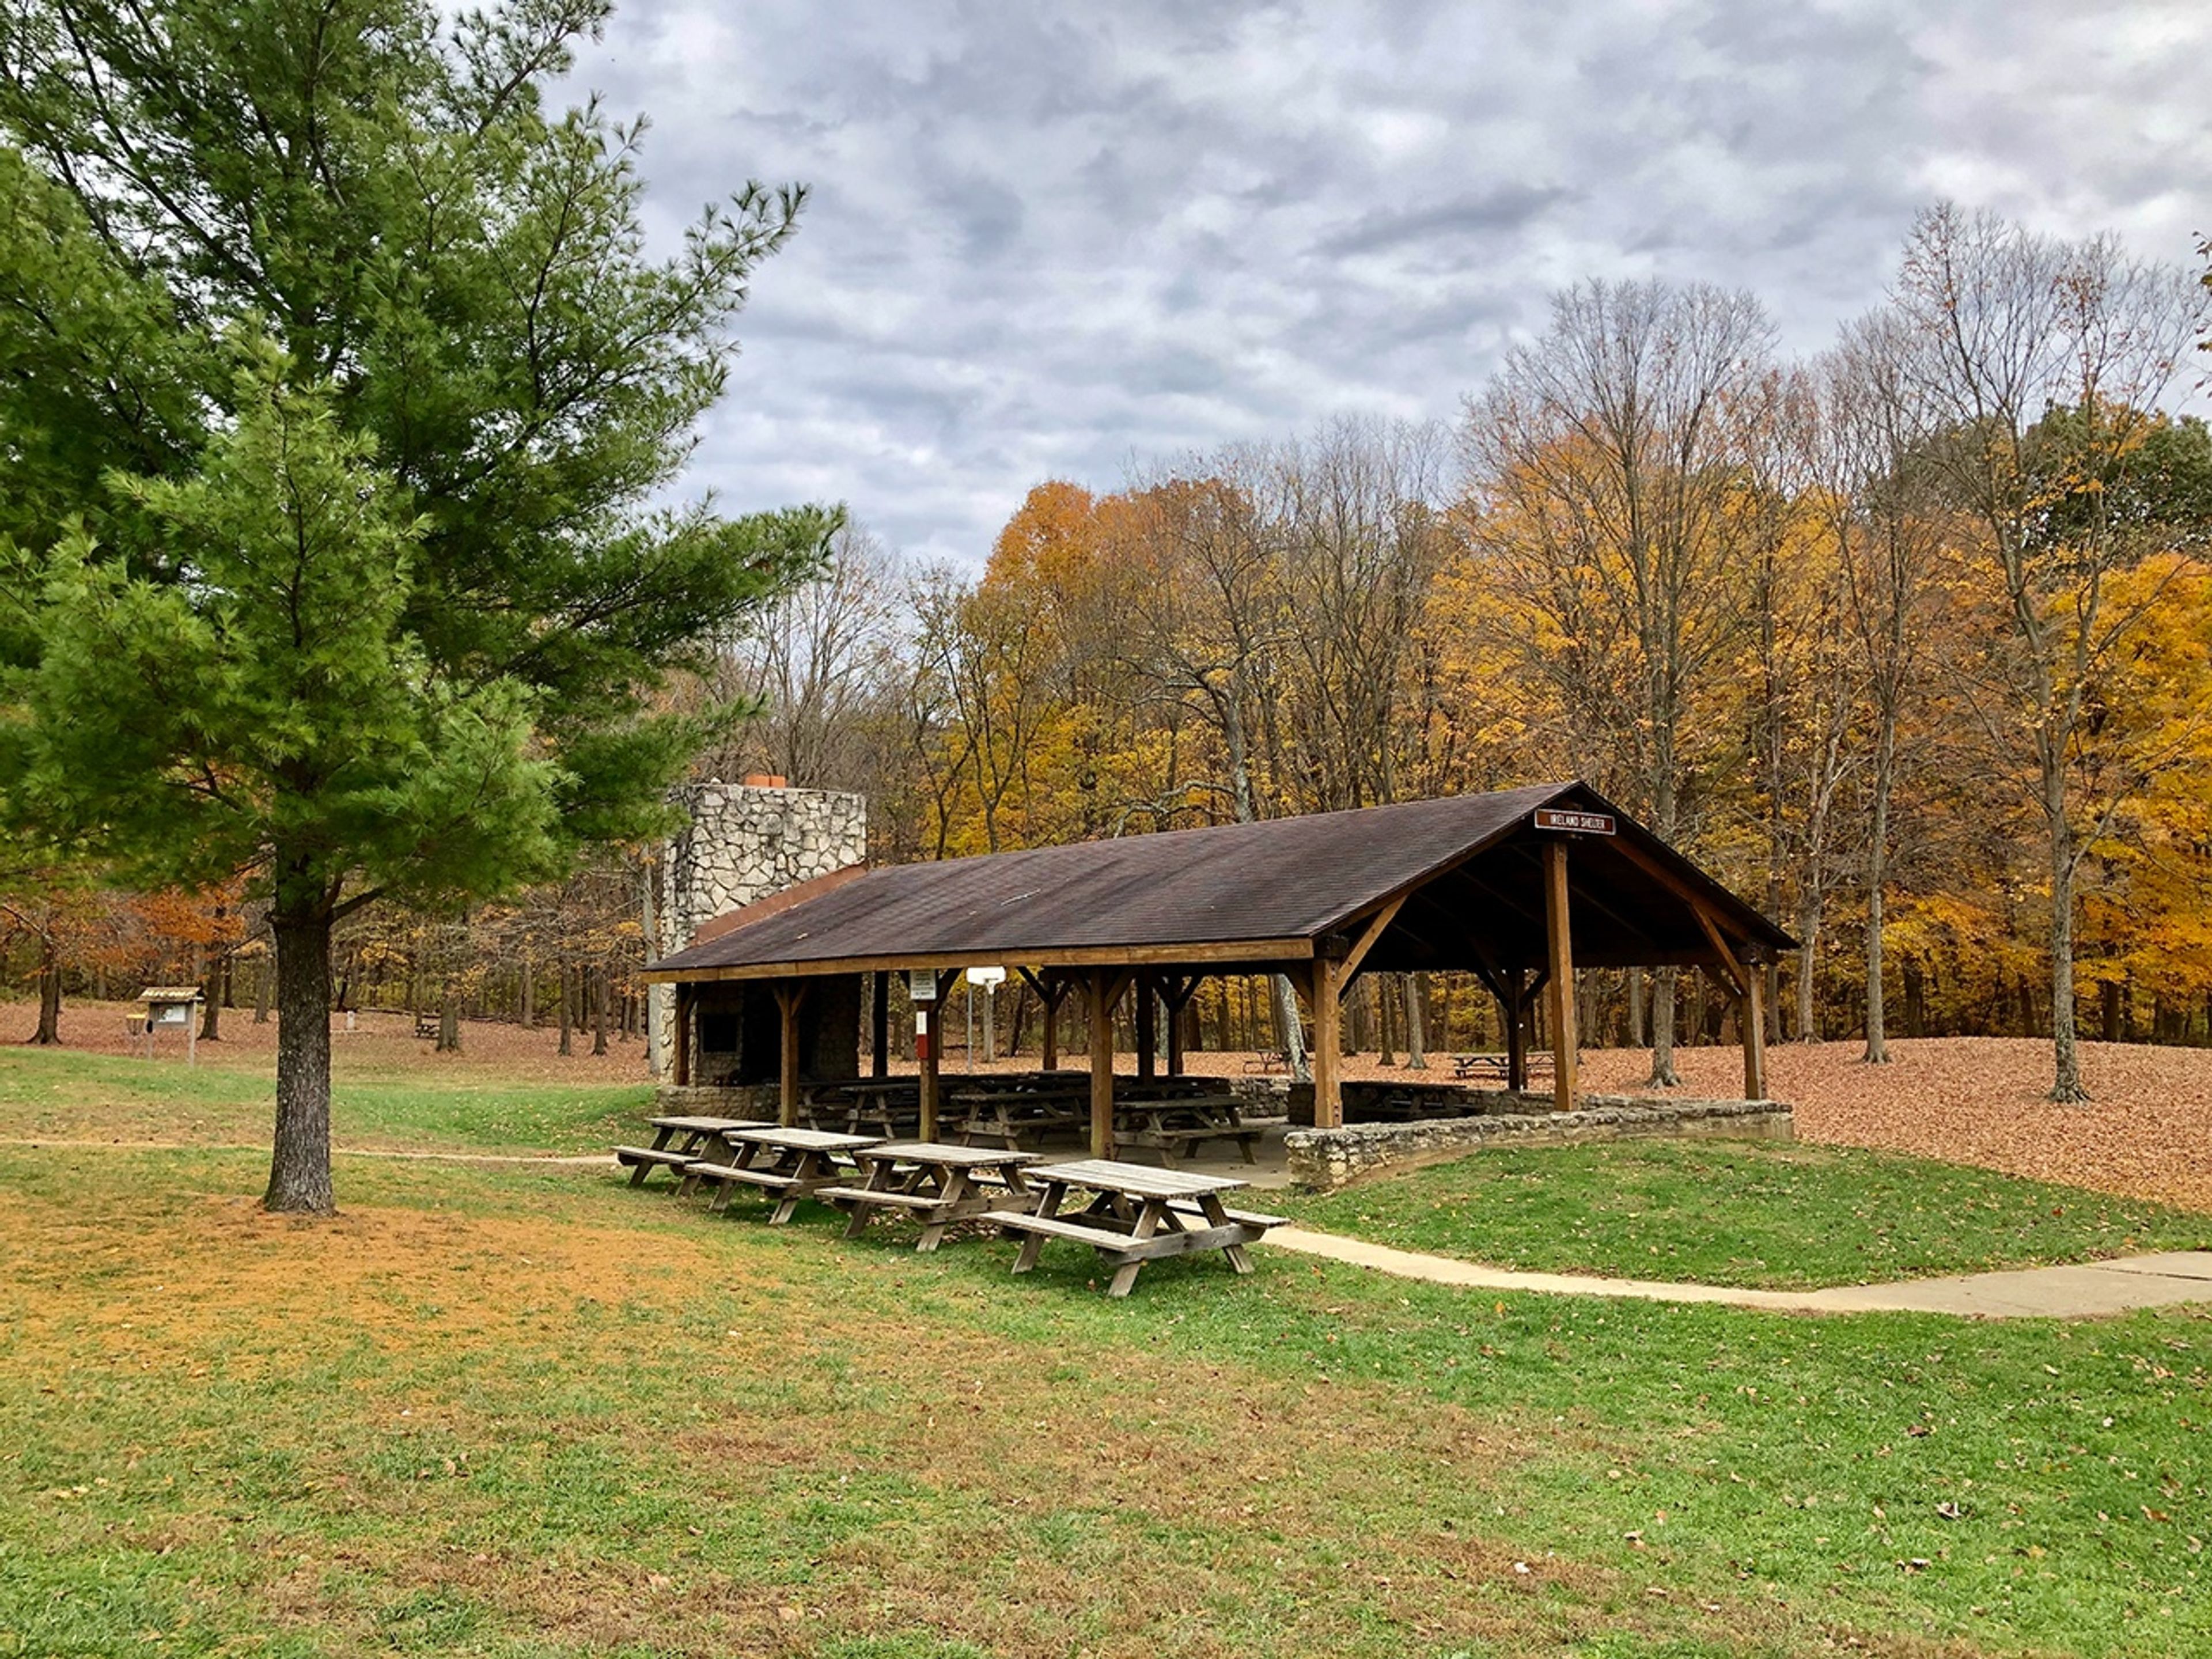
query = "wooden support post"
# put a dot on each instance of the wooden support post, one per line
(927, 1065)
(684, 998)
(788, 999)
(1179, 993)
(1516, 1029)
(1052, 991)
(1148, 1027)
(1564, 1047)
(1103, 995)
(1327, 1039)
(879, 1027)
(1751, 1017)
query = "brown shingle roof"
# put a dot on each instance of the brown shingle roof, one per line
(1274, 886)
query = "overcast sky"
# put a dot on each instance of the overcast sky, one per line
(1046, 239)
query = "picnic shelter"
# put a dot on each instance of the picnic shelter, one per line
(1519, 887)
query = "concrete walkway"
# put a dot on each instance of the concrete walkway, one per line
(2102, 1287)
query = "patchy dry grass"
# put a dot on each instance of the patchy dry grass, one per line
(532, 1413)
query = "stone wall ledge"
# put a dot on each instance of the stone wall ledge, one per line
(1324, 1159)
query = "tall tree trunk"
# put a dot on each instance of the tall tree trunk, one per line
(449, 1021)
(1663, 1074)
(264, 986)
(598, 1010)
(1290, 1027)
(213, 995)
(1636, 1020)
(2066, 1086)
(299, 1159)
(49, 998)
(1877, 1039)
(1807, 955)
(567, 1025)
(1417, 1035)
(529, 978)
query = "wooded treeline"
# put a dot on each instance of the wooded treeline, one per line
(1911, 641)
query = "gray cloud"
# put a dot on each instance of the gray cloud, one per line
(1044, 241)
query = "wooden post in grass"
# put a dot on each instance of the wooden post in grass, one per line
(788, 999)
(1327, 997)
(1564, 1047)
(1516, 1029)
(1751, 1021)
(928, 1065)
(1105, 993)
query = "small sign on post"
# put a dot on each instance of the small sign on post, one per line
(170, 1007)
(922, 984)
(990, 979)
(1563, 821)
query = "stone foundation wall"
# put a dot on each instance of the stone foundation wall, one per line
(762, 1100)
(1321, 1159)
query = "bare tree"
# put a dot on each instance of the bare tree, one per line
(2035, 368)
(1209, 620)
(823, 662)
(1617, 470)
(1887, 522)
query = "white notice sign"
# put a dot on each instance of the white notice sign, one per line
(922, 984)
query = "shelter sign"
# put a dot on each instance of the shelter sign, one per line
(922, 984)
(1575, 824)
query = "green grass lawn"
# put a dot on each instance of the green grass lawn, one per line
(1758, 1214)
(57, 1094)
(525, 1413)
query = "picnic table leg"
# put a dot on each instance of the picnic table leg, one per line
(948, 1196)
(743, 1156)
(1033, 1242)
(1217, 1215)
(1125, 1275)
(800, 1172)
(879, 1178)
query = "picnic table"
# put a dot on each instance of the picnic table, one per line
(936, 1184)
(892, 1105)
(792, 1164)
(1498, 1068)
(1137, 1214)
(701, 1135)
(1012, 1115)
(1176, 1125)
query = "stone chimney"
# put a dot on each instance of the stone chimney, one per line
(745, 840)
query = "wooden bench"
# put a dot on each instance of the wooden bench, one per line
(865, 1195)
(425, 1027)
(722, 1176)
(642, 1161)
(1242, 1218)
(1170, 1144)
(1051, 1226)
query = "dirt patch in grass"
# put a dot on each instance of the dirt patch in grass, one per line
(405, 1430)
